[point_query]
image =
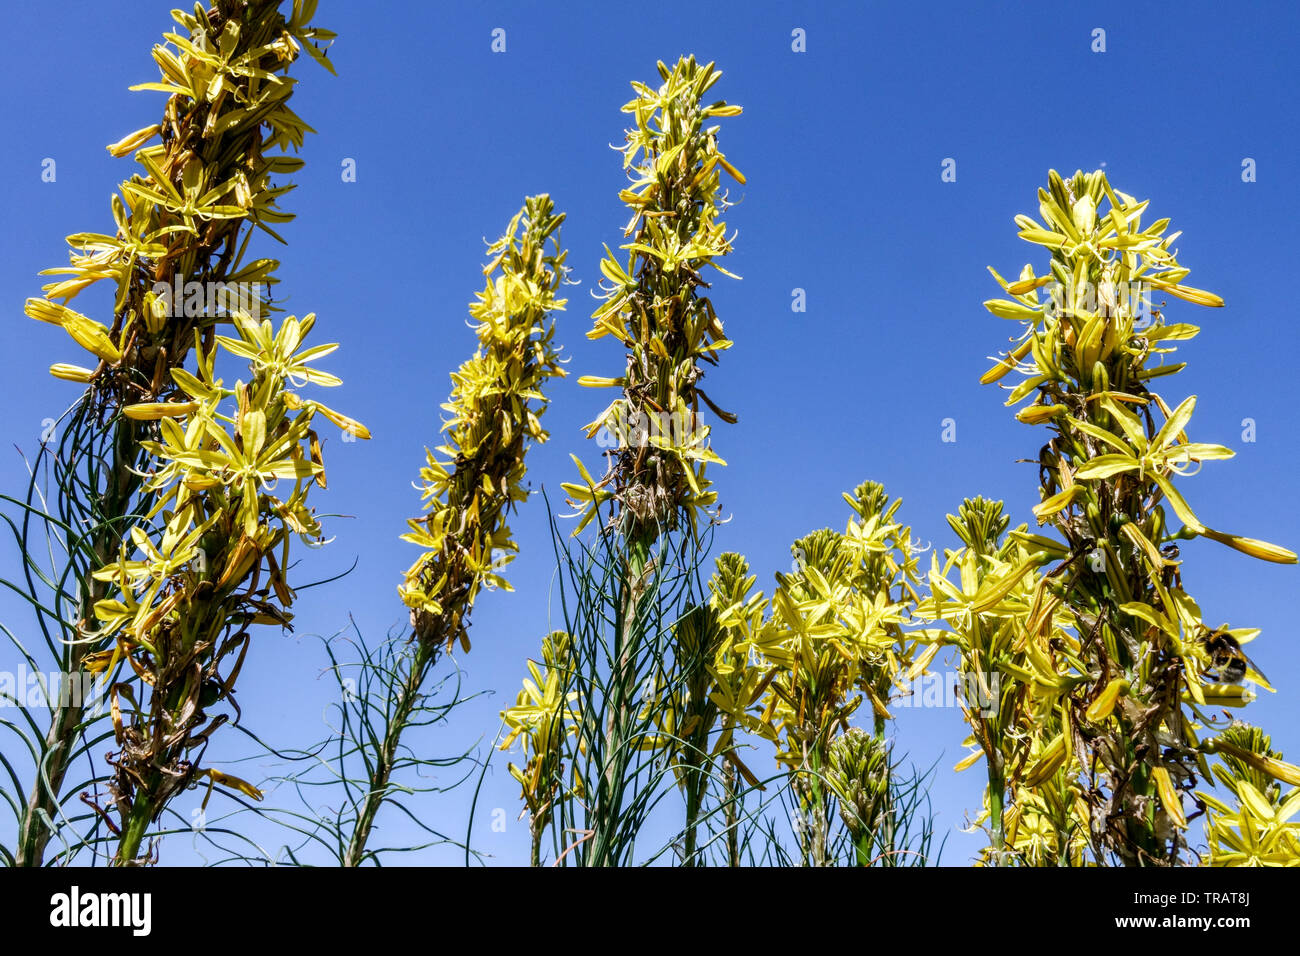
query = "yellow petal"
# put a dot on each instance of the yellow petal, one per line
(1188, 294)
(229, 780)
(968, 761)
(1252, 546)
(1049, 761)
(599, 381)
(1277, 769)
(350, 425)
(1169, 797)
(1102, 707)
(152, 411)
(1037, 414)
(71, 373)
(133, 141)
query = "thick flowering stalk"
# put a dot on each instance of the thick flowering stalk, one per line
(232, 472)
(702, 711)
(473, 481)
(178, 263)
(653, 304)
(1147, 662)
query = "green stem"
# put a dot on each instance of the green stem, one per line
(629, 640)
(381, 770)
(694, 798)
(68, 715)
(535, 851)
(815, 806)
(996, 797)
(135, 828)
(43, 801)
(732, 783)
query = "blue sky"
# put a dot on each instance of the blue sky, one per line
(842, 146)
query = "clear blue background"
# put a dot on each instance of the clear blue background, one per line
(842, 147)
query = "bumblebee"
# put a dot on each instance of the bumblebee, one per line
(1229, 661)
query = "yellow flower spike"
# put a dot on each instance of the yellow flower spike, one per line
(494, 411)
(183, 567)
(1259, 830)
(832, 640)
(1109, 488)
(670, 334)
